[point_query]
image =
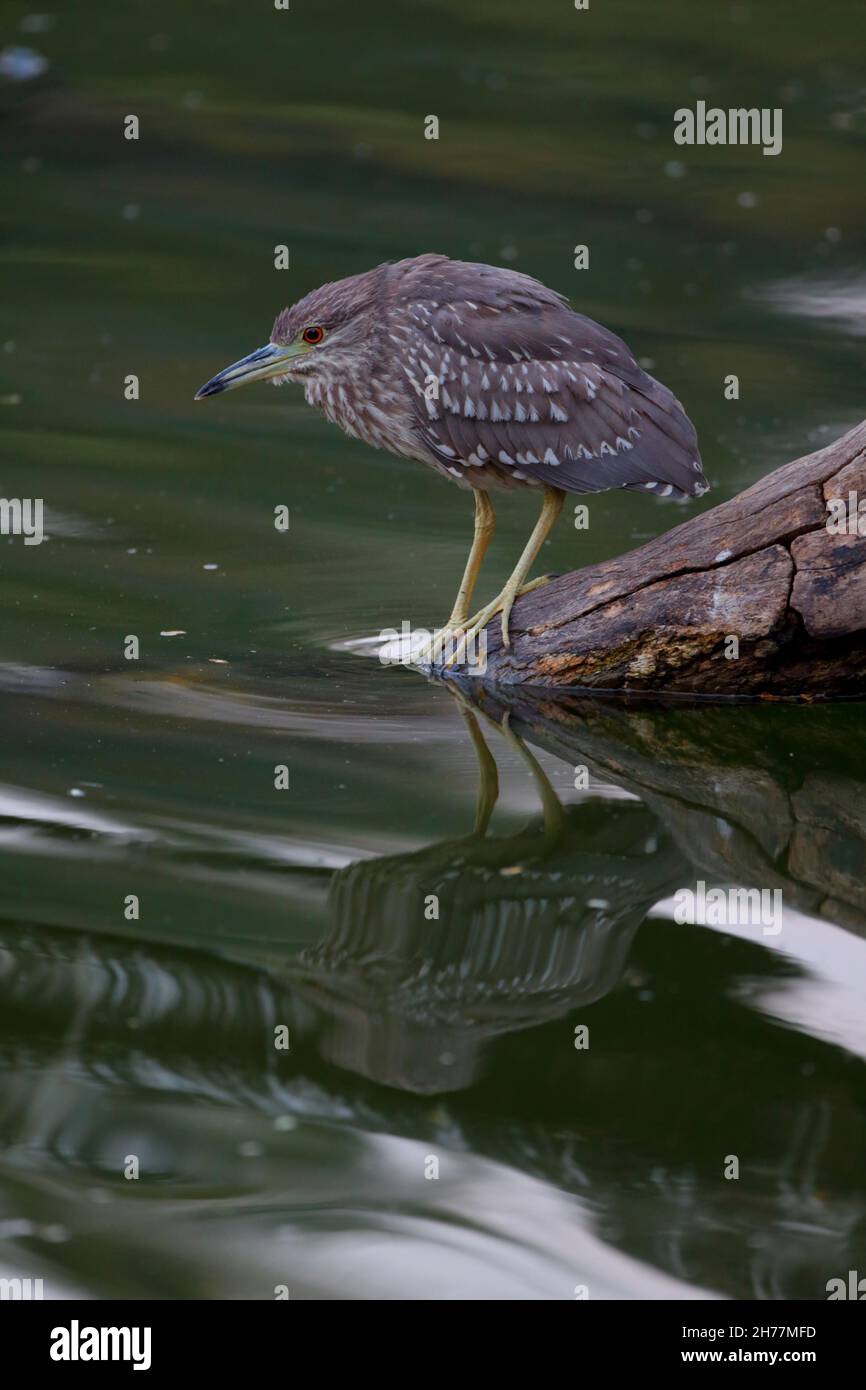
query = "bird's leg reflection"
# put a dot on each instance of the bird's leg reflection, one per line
(550, 803)
(488, 786)
(488, 773)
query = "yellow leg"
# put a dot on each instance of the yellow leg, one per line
(485, 525)
(503, 603)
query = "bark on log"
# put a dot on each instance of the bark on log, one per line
(762, 567)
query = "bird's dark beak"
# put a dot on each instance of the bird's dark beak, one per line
(270, 360)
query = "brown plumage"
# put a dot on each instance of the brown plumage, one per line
(530, 391)
(488, 376)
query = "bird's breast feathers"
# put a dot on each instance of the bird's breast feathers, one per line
(375, 410)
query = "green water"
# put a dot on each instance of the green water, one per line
(411, 1038)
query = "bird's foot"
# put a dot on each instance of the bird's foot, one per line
(518, 593)
(471, 647)
(438, 650)
(475, 625)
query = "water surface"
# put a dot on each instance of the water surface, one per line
(411, 1038)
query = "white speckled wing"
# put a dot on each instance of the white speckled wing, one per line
(512, 387)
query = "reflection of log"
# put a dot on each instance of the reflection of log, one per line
(748, 799)
(762, 567)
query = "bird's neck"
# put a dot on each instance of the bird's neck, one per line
(361, 403)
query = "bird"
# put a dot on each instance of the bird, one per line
(493, 380)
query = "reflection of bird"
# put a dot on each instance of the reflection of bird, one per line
(519, 932)
(491, 378)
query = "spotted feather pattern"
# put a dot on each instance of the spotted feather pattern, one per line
(510, 387)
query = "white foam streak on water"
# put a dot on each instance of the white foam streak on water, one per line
(20, 803)
(840, 302)
(249, 706)
(486, 1231)
(827, 1002)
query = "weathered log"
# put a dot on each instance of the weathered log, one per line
(764, 567)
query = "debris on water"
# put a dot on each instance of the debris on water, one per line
(173, 632)
(76, 791)
(36, 23)
(21, 64)
(53, 1233)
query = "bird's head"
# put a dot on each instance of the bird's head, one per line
(330, 332)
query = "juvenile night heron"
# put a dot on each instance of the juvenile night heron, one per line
(489, 377)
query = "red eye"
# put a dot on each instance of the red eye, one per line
(313, 335)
